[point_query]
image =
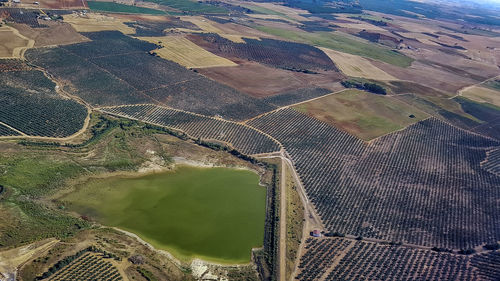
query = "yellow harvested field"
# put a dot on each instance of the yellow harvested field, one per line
(186, 53)
(12, 43)
(482, 94)
(92, 22)
(356, 66)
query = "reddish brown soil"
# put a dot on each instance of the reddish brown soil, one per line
(260, 81)
(63, 4)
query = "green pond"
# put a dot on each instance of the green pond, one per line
(216, 214)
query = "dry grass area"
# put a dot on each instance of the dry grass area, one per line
(363, 114)
(11, 259)
(482, 94)
(93, 22)
(56, 33)
(186, 53)
(268, 81)
(357, 66)
(12, 43)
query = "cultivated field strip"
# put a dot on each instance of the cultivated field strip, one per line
(492, 163)
(244, 139)
(372, 261)
(423, 185)
(6, 131)
(88, 267)
(313, 268)
(31, 105)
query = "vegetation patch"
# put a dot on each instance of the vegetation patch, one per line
(373, 88)
(363, 114)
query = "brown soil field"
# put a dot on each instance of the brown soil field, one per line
(11, 44)
(426, 75)
(267, 81)
(55, 34)
(362, 114)
(63, 4)
(96, 22)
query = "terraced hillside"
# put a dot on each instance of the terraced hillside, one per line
(423, 185)
(241, 137)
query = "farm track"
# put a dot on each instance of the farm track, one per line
(459, 92)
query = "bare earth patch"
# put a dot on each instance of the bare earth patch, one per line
(267, 81)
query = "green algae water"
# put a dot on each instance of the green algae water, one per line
(216, 214)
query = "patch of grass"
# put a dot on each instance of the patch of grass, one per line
(294, 224)
(343, 43)
(191, 6)
(363, 114)
(146, 274)
(121, 8)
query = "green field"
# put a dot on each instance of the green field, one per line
(216, 214)
(342, 42)
(362, 114)
(121, 8)
(191, 6)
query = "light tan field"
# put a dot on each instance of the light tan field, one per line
(12, 43)
(481, 94)
(357, 66)
(92, 22)
(186, 53)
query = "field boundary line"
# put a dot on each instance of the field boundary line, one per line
(336, 261)
(292, 105)
(103, 109)
(13, 129)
